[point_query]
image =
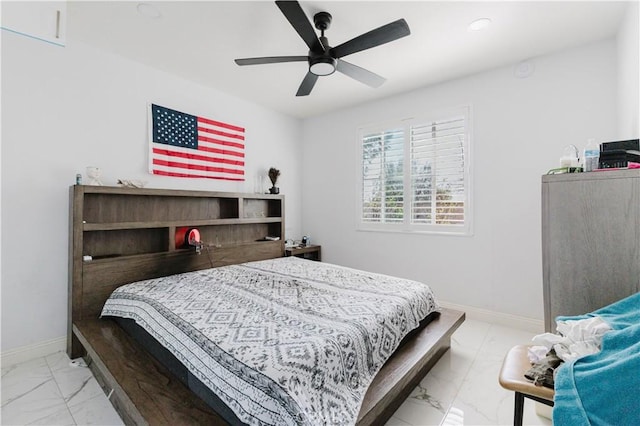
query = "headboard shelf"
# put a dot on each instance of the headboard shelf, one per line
(160, 205)
(130, 234)
(212, 254)
(106, 226)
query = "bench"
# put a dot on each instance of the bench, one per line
(515, 364)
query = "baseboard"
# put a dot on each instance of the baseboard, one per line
(523, 323)
(37, 350)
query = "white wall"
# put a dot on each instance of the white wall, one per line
(520, 127)
(629, 74)
(67, 108)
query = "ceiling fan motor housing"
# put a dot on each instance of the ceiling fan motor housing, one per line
(322, 20)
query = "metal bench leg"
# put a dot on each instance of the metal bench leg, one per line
(518, 409)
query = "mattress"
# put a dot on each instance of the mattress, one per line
(281, 341)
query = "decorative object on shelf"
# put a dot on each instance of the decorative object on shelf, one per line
(273, 176)
(132, 183)
(94, 174)
(258, 185)
(185, 145)
(188, 237)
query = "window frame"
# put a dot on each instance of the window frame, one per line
(405, 123)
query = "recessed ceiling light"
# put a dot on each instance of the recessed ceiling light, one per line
(479, 24)
(148, 10)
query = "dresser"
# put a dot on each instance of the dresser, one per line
(590, 241)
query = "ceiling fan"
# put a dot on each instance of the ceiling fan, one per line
(324, 59)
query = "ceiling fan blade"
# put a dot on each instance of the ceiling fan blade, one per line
(362, 75)
(373, 38)
(299, 21)
(307, 84)
(270, 60)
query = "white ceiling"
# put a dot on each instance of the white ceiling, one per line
(199, 41)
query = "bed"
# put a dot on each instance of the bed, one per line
(120, 236)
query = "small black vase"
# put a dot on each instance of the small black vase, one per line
(274, 190)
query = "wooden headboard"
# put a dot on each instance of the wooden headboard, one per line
(129, 234)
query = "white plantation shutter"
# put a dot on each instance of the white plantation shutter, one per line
(438, 172)
(382, 177)
(433, 192)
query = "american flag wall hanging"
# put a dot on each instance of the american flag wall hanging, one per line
(185, 145)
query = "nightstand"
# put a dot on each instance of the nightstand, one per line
(307, 252)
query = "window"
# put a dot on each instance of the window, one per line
(433, 193)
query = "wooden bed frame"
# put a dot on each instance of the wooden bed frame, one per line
(121, 235)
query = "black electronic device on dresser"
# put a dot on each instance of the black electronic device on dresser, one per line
(619, 153)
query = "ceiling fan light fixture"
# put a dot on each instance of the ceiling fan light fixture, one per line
(322, 66)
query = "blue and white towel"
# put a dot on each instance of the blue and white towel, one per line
(604, 388)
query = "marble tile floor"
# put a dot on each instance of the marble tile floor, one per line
(461, 389)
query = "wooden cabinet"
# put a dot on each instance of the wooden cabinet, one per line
(590, 241)
(42, 20)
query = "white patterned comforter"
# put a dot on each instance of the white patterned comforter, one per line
(281, 341)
